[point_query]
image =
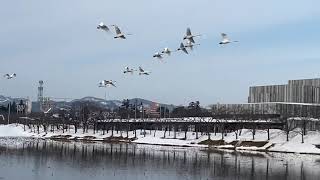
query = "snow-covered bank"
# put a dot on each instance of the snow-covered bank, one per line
(277, 141)
(13, 131)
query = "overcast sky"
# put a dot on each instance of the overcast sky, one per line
(57, 41)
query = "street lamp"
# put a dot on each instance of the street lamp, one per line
(8, 110)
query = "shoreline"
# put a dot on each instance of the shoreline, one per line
(207, 147)
(277, 142)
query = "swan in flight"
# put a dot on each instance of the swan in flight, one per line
(182, 48)
(106, 83)
(8, 76)
(225, 39)
(128, 70)
(103, 27)
(190, 45)
(143, 72)
(189, 36)
(119, 34)
(158, 55)
(167, 51)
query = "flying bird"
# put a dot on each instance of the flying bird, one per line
(158, 55)
(190, 45)
(106, 83)
(166, 51)
(128, 70)
(143, 72)
(225, 39)
(189, 36)
(119, 34)
(182, 48)
(103, 27)
(10, 76)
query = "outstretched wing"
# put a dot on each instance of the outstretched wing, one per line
(188, 32)
(224, 36)
(140, 69)
(185, 50)
(117, 30)
(181, 46)
(6, 75)
(113, 84)
(105, 28)
(192, 40)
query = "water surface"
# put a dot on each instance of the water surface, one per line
(51, 160)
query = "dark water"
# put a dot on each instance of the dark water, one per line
(44, 160)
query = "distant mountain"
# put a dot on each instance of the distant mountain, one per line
(148, 103)
(5, 100)
(113, 104)
(110, 104)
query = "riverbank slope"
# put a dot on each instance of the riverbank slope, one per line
(277, 142)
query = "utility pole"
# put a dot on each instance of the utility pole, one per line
(9, 112)
(135, 110)
(142, 112)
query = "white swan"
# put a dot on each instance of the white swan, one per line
(182, 48)
(106, 83)
(225, 39)
(10, 76)
(158, 55)
(143, 72)
(119, 34)
(190, 45)
(189, 36)
(167, 51)
(128, 70)
(103, 27)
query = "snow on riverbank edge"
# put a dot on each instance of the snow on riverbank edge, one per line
(277, 141)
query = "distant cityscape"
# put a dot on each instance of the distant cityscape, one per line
(297, 98)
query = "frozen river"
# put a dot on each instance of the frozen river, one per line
(44, 160)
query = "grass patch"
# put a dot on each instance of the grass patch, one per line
(118, 139)
(60, 137)
(213, 142)
(253, 143)
(89, 137)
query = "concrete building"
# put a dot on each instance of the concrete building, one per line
(296, 91)
(298, 98)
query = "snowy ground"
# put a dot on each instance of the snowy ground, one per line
(277, 138)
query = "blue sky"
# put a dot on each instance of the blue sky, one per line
(57, 41)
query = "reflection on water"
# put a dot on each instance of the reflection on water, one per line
(43, 160)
